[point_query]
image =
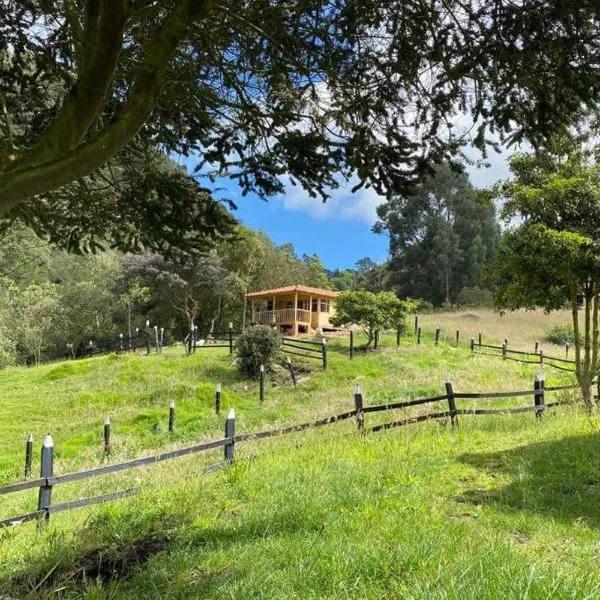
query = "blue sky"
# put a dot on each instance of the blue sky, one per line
(339, 231)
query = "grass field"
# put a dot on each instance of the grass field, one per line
(521, 328)
(502, 507)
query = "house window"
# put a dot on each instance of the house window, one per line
(325, 306)
(314, 305)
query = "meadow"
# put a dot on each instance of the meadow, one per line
(501, 507)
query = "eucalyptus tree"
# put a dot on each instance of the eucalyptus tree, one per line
(263, 92)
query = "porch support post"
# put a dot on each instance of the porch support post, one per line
(252, 318)
(310, 318)
(295, 324)
(273, 316)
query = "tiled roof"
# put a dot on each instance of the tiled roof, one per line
(304, 289)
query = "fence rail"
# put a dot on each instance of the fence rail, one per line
(306, 349)
(48, 479)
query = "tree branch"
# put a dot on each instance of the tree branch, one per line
(99, 57)
(22, 183)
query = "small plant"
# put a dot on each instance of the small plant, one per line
(560, 335)
(257, 346)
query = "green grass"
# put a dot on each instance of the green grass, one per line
(503, 507)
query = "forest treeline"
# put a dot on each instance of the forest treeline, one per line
(441, 241)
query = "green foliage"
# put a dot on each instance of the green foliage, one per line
(371, 311)
(442, 237)
(554, 254)
(256, 346)
(560, 335)
(84, 102)
(475, 296)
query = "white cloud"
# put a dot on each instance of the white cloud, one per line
(343, 204)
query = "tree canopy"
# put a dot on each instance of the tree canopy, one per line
(553, 255)
(262, 91)
(371, 311)
(442, 237)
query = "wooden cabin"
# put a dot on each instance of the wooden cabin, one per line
(295, 309)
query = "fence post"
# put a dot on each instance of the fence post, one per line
(479, 339)
(261, 384)
(46, 472)
(451, 403)
(218, 388)
(230, 433)
(567, 350)
(230, 338)
(358, 406)
(324, 353)
(106, 436)
(437, 334)
(457, 336)
(28, 455)
(121, 342)
(416, 323)
(419, 335)
(351, 344)
(291, 370)
(506, 342)
(147, 336)
(376, 339)
(537, 347)
(162, 337)
(398, 332)
(541, 357)
(504, 351)
(538, 387)
(171, 415)
(472, 344)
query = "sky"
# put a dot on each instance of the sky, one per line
(339, 232)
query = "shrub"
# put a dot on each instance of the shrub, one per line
(475, 296)
(257, 346)
(371, 311)
(560, 335)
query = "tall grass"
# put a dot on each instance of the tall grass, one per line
(502, 507)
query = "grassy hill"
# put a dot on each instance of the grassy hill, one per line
(502, 507)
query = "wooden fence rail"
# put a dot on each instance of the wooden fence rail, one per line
(48, 479)
(306, 349)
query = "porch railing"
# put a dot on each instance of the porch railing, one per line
(282, 316)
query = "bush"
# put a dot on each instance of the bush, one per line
(257, 346)
(560, 335)
(475, 296)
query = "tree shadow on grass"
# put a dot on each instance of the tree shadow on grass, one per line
(559, 478)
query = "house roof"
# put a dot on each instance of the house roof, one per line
(302, 289)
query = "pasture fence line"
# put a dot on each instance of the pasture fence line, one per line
(504, 351)
(48, 479)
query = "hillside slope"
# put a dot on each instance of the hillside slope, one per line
(502, 507)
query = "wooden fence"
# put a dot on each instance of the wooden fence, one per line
(217, 339)
(48, 479)
(306, 349)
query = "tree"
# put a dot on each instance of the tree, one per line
(371, 311)
(317, 275)
(317, 92)
(442, 237)
(133, 296)
(554, 254)
(371, 276)
(36, 309)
